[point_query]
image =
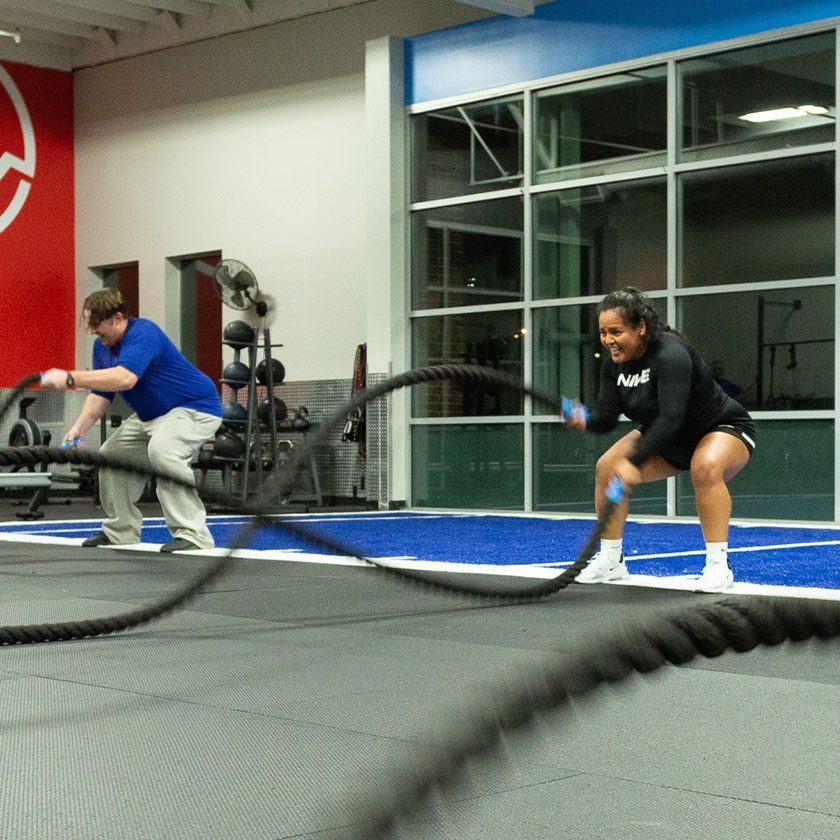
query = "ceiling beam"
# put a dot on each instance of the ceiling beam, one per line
(112, 7)
(11, 14)
(178, 7)
(515, 8)
(50, 10)
(40, 36)
(169, 22)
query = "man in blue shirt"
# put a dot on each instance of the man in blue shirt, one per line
(176, 408)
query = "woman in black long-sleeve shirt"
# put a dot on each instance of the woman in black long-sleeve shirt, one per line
(685, 422)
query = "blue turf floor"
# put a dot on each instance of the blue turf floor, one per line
(763, 554)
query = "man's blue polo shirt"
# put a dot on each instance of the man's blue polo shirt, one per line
(165, 379)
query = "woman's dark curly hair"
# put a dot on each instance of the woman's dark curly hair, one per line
(635, 307)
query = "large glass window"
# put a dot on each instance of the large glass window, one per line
(592, 240)
(488, 339)
(612, 124)
(725, 215)
(770, 350)
(768, 97)
(467, 149)
(564, 471)
(467, 254)
(772, 220)
(468, 466)
(790, 476)
(567, 350)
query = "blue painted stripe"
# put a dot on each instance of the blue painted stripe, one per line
(571, 35)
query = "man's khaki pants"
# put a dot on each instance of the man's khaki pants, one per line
(167, 444)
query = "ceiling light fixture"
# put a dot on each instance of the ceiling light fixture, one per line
(784, 113)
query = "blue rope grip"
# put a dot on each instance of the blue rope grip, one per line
(571, 409)
(615, 490)
(71, 444)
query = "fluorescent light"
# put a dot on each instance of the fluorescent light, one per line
(13, 34)
(813, 109)
(783, 113)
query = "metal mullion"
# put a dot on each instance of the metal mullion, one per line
(475, 198)
(582, 300)
(483, 420)
(755, 286)
(466, 310)
(836, 273)
(408, 338)
(673, 228)
(527, 294)
(595, 180)
(755, 157)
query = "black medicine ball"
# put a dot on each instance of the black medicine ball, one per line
(228, 445)
(236, 374)
(233, 415)
(264, 411)
(278, 372)
(238, 334)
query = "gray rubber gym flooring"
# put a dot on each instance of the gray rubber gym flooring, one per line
(287, 695)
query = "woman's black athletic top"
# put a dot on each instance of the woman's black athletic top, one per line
(669, 392)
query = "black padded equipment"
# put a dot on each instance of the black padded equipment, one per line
(236, 374)
(238, 334)
(264, 411)
(278, 372)
(205, 456)
(25, 432)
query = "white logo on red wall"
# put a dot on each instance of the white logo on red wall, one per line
(11, 166)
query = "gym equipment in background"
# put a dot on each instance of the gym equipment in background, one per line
(26, 432)
(234, 416)
(253, 419)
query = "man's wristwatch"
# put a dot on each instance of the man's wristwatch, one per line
(71, 383)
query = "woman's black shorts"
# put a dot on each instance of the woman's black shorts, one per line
(736, 421)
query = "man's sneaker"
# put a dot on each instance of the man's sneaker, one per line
(600, 570)
(717, 577)
(178, 544)
(97, 540)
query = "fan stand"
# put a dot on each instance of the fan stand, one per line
(237, 287)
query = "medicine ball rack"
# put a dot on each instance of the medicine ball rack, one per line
(240, 448)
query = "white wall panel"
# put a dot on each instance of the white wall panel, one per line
(252, 144)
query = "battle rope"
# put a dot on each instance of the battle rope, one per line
(675, 637)
(41, 455)
(707, 629)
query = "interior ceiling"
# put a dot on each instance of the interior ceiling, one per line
(67, 34)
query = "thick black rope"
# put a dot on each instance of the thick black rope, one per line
(33, 456)
(707, 629)
(675, 637)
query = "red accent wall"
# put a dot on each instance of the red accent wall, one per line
(37, 272)
(128, 283)
(208, 322)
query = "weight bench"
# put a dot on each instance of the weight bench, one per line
(41, 481)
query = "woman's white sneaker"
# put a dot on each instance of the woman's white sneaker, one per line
(601, 570)
(717, 577)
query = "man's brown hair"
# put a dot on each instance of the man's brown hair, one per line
(103, 304)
